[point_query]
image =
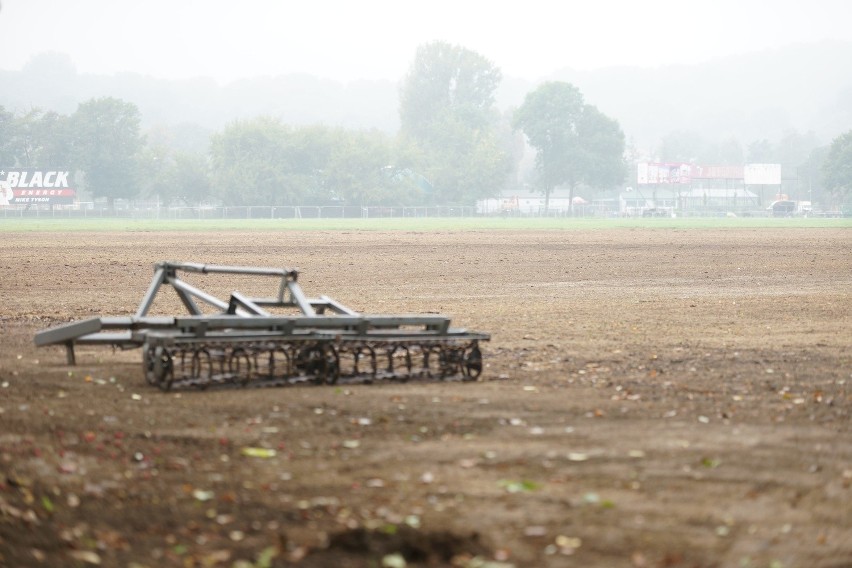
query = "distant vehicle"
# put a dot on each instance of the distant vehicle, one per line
(657, 212)
(783, 208)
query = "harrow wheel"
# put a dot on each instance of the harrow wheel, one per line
(320, 361)
(162, 368)
(473, 363)
(148, 364)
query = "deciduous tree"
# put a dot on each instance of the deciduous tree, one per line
(249, 165)
(8, 133)
(37, 139)
(176, 177)
(837, 167)
(45, 140)
(107, 141)
(575, 143)
(447, 112)
(355, 171)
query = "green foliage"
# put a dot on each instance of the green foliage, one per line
(447, 82)
(519, 486)
(601, 149)
(37, 139)
(174, 166)
(449, 123)
(7, 137)
(263, 162)
(50, 140)
(354, 172)
(837, 167)
(176, 177)
(191, 179)
(575, 143)
(107, 143)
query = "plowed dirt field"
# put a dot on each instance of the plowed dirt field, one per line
(651, 398)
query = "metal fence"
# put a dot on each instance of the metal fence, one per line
(145, 211)
(242, 212)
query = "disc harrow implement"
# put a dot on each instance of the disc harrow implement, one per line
(244, 343)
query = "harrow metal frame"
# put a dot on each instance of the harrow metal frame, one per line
(323, 343)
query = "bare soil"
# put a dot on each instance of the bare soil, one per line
(659, 398)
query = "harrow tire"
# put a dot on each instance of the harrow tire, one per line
(473, 364)
(148, 364)
(163, 368)
(319, 361)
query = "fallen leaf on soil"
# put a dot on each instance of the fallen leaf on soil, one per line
(258, 452)
(524, 486)
(395, 560)
(216, 557)
(202, 495)
(567, 542)
(86, 556)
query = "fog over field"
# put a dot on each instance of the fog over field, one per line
(376, 39)
(746, 69)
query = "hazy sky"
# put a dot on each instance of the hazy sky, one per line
(377, 39)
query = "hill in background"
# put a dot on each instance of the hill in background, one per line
(760, 95)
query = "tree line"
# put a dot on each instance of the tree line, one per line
(453, 147)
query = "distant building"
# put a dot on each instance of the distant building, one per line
(532, 204)
(634, 202)
(662, 189)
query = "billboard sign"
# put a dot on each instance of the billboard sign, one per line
(669, 173)
(651, 173)
(717, 172)
(762, 174)
(36, 187)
